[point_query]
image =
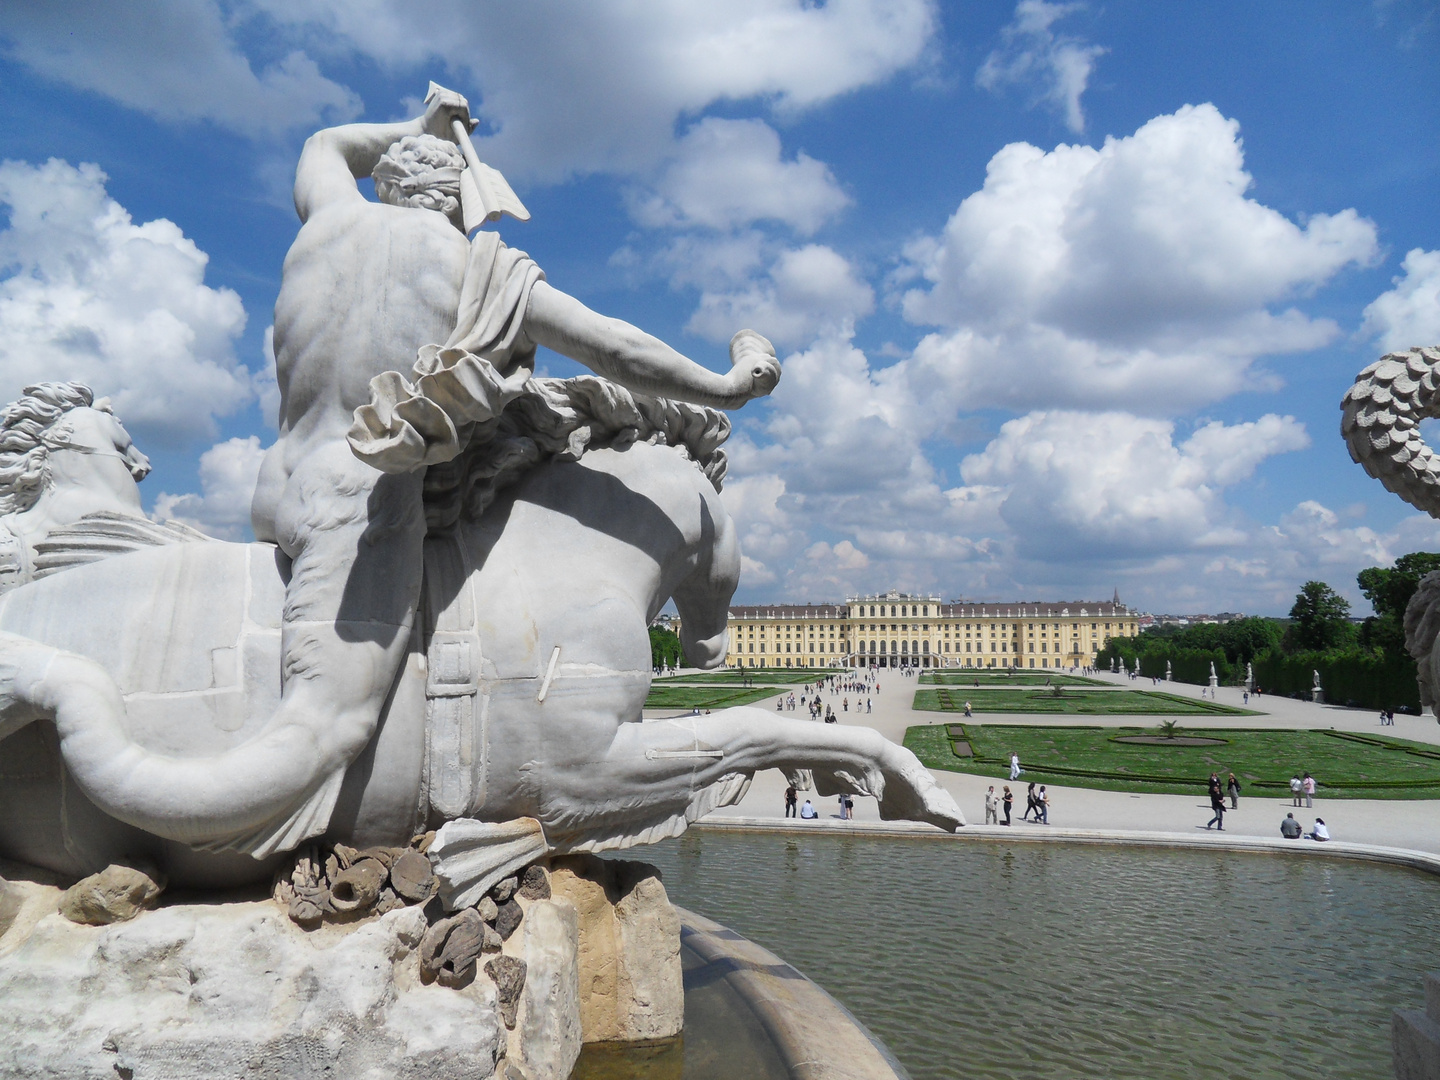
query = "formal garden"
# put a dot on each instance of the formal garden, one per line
(1097, 700)
(1002, 677)
(1173, 760)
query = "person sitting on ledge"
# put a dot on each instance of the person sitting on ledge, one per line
(1290, 828)
(807, 810)
(1321, 832)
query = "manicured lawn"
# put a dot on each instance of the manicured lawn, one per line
(995, 679)
(768, 676)
(1346, 765)
(1080, 701)
(706, 697)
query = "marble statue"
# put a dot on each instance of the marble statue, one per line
(443, 621)
(1249, 677)
(69, 476)
(1214, 679)
(1380, 422)
(1167, 670)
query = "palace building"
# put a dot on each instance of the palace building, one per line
(906, 630)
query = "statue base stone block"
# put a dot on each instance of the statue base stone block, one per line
(1415, 1037)
(200, 991)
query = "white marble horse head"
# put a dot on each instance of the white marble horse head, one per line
(64, 455)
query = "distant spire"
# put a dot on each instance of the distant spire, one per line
(1117, 596)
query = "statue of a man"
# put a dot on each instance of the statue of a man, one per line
(365, 286)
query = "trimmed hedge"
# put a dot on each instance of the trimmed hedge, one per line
(1366, 680)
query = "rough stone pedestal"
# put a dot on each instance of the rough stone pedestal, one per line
(204, 991)
(631, 983)
(1415, 1037)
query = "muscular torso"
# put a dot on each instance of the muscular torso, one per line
(364, 286)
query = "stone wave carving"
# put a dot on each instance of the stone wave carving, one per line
(1381, 424)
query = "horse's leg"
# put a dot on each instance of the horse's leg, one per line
(681, 757)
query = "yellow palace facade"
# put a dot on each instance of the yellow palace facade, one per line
(906, 630)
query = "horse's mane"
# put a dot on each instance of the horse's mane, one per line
(560, 419)
(24, 450)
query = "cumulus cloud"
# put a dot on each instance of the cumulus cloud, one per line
(606, 90)
(1138, 272)
(1116, 484)
(228, 472)
(1055, 68)
(175, 60)
(85, 293)
(809, 292)
(1409, 314)
(730, 173)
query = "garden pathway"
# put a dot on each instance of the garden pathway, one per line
(1393, 822)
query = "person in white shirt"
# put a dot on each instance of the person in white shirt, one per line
(1320, 832)
(807, 810)
(1015, 769)
(992, 807)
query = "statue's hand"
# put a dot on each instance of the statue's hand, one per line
(754, 368)
(441, 107)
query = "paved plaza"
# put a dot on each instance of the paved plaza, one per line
(1385, 822)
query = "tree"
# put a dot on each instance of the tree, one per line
(1321, 619)
(1389, 591)
(665, 648)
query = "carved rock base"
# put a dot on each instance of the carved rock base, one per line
(210, 990)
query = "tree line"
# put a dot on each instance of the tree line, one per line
(1364, 664)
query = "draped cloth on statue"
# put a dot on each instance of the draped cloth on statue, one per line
(475, 419)
(470, 379)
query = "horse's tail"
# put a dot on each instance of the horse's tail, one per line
(1380, 423)
(192, 800)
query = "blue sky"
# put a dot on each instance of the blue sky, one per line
(1067, 294)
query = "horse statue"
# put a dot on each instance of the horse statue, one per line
(516, 717)
(1381, 414)
(68, 476)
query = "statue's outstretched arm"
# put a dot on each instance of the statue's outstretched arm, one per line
(636, 360)
(334, 158)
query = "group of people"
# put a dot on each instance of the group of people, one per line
(1037, 802)
(1302, 787)
(807, 812)
(1217, 799)
(1291, 829)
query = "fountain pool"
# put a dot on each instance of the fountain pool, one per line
(992, 959)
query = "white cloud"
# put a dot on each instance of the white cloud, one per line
(228, 472)
(1408, 315)
(1055, 68)
(606, 89)
(87, 294)
(809, 292)
(175, 60)
(730, 173)
(1139, 272)
(1113, 484)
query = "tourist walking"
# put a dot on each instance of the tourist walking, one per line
(1008, 802)
(1032, 805)
(1217, 802)
(790, 797)
(1015, 769)
(1233, 787)
(1042, 806)
(992, 807)
(1307, 785)
(1295, 790)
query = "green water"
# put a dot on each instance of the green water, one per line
(1049, 960)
